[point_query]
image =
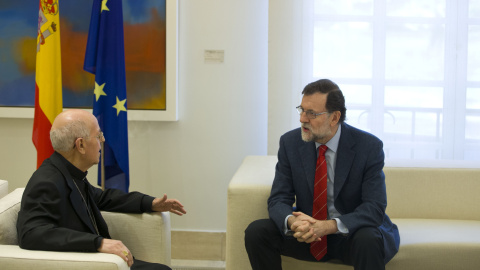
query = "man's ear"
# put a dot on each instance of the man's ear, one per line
(80, 145)
(335, 118)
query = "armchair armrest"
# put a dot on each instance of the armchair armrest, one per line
(248, 193)
(147, 235)
(13, 257)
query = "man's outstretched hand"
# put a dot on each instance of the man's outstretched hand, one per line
(171, 205)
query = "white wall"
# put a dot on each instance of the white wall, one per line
(222, 116)
(284, 68)
(18, 157)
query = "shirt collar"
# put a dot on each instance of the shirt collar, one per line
(332, 144)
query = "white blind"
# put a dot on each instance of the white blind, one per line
(409, 70)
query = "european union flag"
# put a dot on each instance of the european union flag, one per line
(105, 57)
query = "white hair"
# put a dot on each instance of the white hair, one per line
(63, 139)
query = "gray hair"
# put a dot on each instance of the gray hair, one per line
(63, 138)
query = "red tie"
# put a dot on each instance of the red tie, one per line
(319, 249)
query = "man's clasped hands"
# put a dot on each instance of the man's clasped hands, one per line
(307, 229)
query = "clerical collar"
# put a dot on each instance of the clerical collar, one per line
(75, 172)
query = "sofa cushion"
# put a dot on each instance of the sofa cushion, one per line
(434, 231)
(3, 188)
(433, 244)
(9, 207)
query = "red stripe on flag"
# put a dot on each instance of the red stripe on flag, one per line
(41, 132)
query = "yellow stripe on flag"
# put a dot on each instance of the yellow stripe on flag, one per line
(49, 66)
(48, 78)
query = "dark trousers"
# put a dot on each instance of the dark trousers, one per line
(265, 243)
(142, 265)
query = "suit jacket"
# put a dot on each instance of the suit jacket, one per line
(54, 217)
(359, 184)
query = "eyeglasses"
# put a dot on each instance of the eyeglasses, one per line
(100, 136)
(310, 114)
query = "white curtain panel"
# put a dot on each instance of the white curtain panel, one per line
(409, 70)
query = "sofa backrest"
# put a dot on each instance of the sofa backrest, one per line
(433, 193)
(9, 207)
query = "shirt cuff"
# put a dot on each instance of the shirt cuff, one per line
(286, 230)
(341, 227)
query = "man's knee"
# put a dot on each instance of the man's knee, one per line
(368, 237)
(367, 249)
(142, 265)
(256, 230)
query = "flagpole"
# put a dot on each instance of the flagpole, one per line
(102, 167)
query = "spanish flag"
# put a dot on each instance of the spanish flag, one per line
(48, 78)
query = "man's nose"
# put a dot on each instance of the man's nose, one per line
(304, 118)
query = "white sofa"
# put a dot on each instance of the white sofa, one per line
(436, 210)
(146, 235)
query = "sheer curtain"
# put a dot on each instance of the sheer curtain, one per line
(409, 70)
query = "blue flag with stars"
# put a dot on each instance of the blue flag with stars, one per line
(105, 57)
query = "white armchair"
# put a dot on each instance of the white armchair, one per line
(146, 235)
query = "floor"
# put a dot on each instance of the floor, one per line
(197, 264)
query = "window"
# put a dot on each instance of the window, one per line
(409, 70)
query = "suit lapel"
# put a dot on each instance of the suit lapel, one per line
(345, 157)
(308, 152)
(75, 197)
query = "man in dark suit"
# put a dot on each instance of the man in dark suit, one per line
(356, 229)
(60, 210)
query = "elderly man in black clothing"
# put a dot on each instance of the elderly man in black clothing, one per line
(60, 210)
